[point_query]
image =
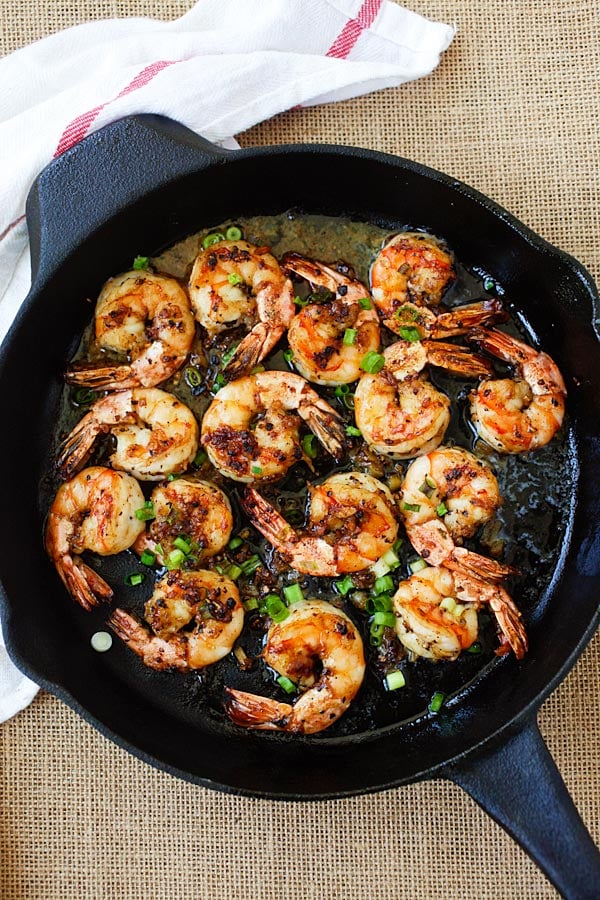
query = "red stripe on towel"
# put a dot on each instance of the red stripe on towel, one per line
(353, 29)
(79, 127)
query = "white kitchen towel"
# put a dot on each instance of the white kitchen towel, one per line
(221, 68)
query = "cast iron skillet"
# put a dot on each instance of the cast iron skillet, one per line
(136, 187)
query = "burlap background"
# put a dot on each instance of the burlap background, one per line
(513, 110)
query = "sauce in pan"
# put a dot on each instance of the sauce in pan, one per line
(526, 532)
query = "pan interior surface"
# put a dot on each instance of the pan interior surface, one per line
(150, 713)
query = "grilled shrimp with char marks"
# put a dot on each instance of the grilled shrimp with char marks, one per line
(195, 619)
(351, 524)
(251, 429)
(399, 412)
(156, 435)
(146, 316)
(195, 510)
(234, 283)
(94, 511)
(319, 334)
(319, 648)
(518, 415)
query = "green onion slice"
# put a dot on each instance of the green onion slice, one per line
(276, 608)
(474, 648)
(293, 593)
(235, 542)
(383, 584)
(134, 579)
(234, 279)
(233, 233)
(286, 684)
(288, 355)
(411, 507)
(193, 376)
(148, 558)
(200, 457)
(309, 446)
(251, 564)
(410, 334)
(342, 389)
(233, 571)
(353, 431)
(442, 509)
(436, 702)
(250, 604)
(349, 337)
(174, 559)
(183, 544)
(417, 565)
(141, 262)
(301, 301)
(256, 470)
(395, 680)
(213, 238)
(101, 641)
(372, 362)
(146, 512)
(381, 603)
(84, 396)
(387, 619)
(345, 585)
(365, 303)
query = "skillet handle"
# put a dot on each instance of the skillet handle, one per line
(519, 785)
(110, 169)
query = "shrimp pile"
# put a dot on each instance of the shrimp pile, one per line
(196, 486)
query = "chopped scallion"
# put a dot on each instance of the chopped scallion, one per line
(174, 559)
(410, 334)
(391, 559)
(301, 301)
(372, 362)
(449, 604)
(442, 509)
(288, 355)
(286, 684)
(365, 302)
(233, 233)
(101, 641)
(134, 579)
(353, 431)
(183, 544)
(146, 512)
(214, 238)
(349, 336)
(309, 446)
(200, 457)
(228, 355)
(342, 389)
(383, 584)
(417, 565)
(387, 619)
(83, 396)
(436, 702)
(250, 604)
(276, 608)
(234, 279)
(474, 648)
(193, 376)
(293, 593)
(140, 262)
(233, 571)
(380, 603)
(251, 564)
(256, 470)
(234, 543)
(345, 585)
(381, 567)
(395, 680)
(148, 558)
(411, 507)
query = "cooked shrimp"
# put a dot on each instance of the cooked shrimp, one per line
(319, 648)
(330, 339)
(399, 412)
(146, 316)
(156, 434)
(436, 613)
(94, 511)
(411, 266)
(195, 617)
(453, 486)
(431, 618)
(515, 416)
(197, 511)
(351, 524)
(232, 283)
(251, 429)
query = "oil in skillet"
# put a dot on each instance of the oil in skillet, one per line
(529, 527)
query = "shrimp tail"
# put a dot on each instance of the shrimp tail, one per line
(480, 566)
(84, 585)
(257, 344)
(267, 520)
(103, 378)
(326, 424)
(501, 345)
(462, 319)
(77, 447)
(457, 360)
(253, 711)
(509, 621)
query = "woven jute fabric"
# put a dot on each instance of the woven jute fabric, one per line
(512, 110)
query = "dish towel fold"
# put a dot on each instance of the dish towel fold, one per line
(221, 68)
